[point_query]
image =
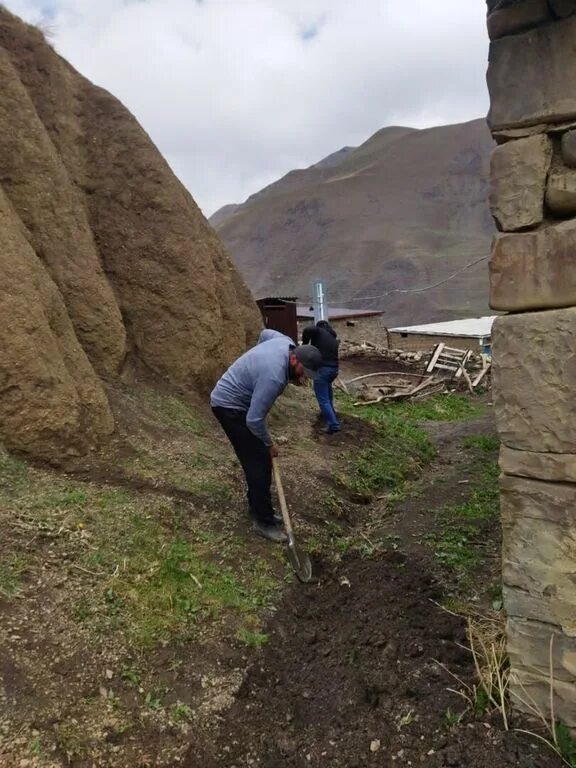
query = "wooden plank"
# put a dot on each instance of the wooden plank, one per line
(369, 402)
(447, 361)
(464, 361)
(456, 352)
(435, 355)
(467, 379)
(454, 349)
(481, 376)
(443, 367)
(435, 390)
(384, 373)
(431, 381)
(445, 356)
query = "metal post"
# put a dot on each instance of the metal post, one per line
(320, 304)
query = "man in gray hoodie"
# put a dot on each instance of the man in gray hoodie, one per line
(241, 401)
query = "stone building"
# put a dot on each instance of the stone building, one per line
(532, 84)
(474, 333)
(351, 325)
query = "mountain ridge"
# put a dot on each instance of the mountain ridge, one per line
(405, 209)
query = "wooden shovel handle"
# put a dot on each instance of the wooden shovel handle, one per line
(281, 497)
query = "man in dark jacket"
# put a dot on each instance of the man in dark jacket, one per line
(324, 338)
(241, 401)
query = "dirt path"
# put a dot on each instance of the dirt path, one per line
(135, 598)
(352, 674)
(446, 481)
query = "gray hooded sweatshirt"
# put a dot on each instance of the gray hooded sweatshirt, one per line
(255, 381)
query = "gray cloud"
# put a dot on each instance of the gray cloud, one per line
(237, 92)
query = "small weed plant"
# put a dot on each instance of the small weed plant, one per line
(181, 712)
(12, 570)
(252, 638)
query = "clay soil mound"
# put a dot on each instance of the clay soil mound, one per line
(108, 268)
(349, 678)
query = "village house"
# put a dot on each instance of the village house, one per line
(351, 325)
(284, 314)
(474, 333)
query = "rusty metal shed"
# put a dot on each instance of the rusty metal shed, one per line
(279, 314)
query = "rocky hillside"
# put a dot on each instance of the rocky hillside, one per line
(406, 209)
(108, 268)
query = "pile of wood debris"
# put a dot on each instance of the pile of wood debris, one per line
(378, 387)
(367, 349)
(447, 369)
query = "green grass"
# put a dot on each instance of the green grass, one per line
(458, 543)
(217, 489)
(483, 443)
(131, 675)
(13, 475)
(63, 498)
(399, 449)
(164, 584)
(195, 469)
(438, 408)
(252, 638)
(172, 411)
(12, 569)
(396, 452)
(566, 744)
(453, 718)
(36, 748)
(152, 701)
(181, 712)
(158, 576)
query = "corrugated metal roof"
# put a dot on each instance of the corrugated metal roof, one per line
(338, 313)
(475, 327)
(287, 299)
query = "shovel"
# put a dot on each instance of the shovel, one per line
(299, 559)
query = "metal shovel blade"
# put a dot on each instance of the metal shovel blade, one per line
(300, 561)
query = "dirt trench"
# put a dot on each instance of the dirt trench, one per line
(355, 670)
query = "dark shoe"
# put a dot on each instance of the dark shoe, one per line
(272, 532)
(330, 430)
(277, 519)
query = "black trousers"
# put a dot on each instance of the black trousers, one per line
(255, 459)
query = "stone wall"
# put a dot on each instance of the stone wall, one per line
(356, 330)
(414, 342)
(531, 79)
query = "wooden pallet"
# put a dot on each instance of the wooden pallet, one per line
(449, 359)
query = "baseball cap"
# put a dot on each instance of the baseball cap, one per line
(310, 358)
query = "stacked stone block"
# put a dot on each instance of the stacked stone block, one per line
(532, 84)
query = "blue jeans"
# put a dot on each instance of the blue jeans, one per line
(325, 395)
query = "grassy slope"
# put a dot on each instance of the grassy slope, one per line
(125, 594)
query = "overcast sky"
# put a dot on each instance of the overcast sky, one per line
(236, 93)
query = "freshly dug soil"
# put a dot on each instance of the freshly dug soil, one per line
(350, 677)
